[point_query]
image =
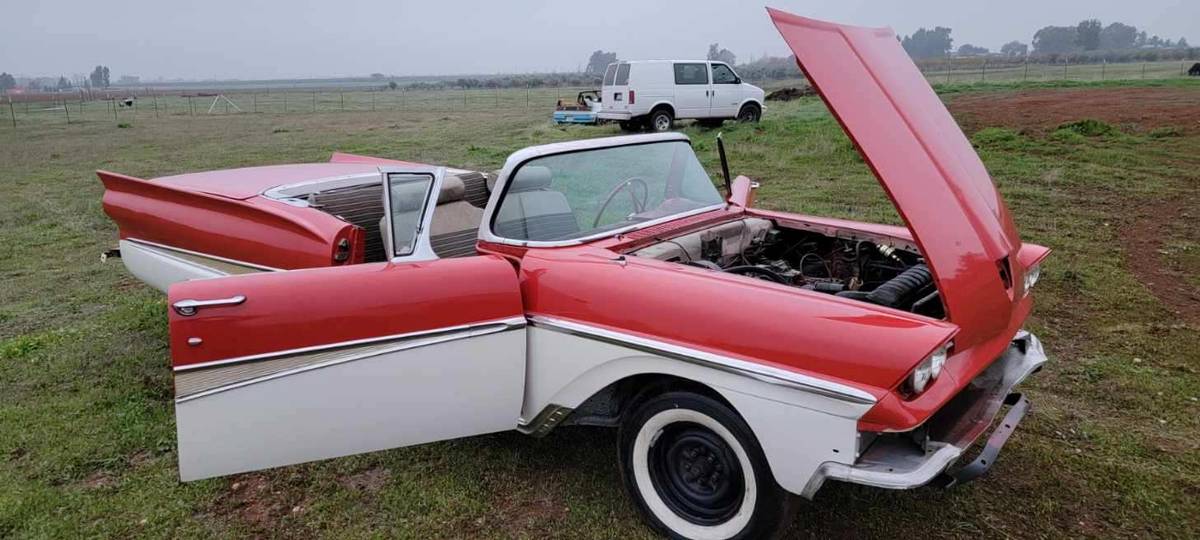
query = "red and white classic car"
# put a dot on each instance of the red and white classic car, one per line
(745, 355)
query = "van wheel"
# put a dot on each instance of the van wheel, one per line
(694, 470)
(661, 120)
(749, 113)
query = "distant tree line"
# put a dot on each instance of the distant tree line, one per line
(1089, 40)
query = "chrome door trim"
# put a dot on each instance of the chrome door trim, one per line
(506, 324)
(767, 374)
(403, 342)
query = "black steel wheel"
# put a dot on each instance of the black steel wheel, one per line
(695, 470)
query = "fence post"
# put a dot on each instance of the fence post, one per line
(984, 76)
(114, 108)
(155, 105)
(191, 109)
(1103, 69)
(342, 97)
(1181, 71)
(12, 112)
(1066, 63)
(464, 97)
(372, 100)
(255, 94)
(285, 101)
(66, 111)
(1025, 78)
(1143, 70)
(949, 67)
(314, 100)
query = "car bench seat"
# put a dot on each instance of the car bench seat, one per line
(455, 224)
(533, 211)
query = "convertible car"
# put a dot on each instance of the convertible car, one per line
(745, 355)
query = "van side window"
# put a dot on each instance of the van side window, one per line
(610, 74)
(723, 75)
(691, 74)
(622, 75)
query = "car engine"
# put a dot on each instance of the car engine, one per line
(842, 264)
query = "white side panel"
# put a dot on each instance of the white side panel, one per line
(158, 268)
(798, 430)
(454, 389)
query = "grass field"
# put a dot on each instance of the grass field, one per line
(68, 109)
(87, 443)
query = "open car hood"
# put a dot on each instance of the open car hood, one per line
(923, 160)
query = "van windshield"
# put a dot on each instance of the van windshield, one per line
(583, 193)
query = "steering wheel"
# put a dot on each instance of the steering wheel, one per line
(639, 206)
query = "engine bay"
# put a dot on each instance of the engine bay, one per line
(841, 263)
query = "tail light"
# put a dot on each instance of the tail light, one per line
(632, 97)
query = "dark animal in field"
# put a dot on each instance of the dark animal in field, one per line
(1195, 71)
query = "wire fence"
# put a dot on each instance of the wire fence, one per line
(130, 105)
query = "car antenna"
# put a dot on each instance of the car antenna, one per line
(724, 166)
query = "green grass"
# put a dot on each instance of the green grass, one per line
(87, 443)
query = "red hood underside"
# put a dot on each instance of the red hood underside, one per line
(923, 160)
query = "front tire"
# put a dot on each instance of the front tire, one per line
(695, 470)
(749, 113)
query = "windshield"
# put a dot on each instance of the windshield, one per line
(578, 194)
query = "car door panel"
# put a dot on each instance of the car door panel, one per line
(692, 90)
(726, 93)
(280, 368)
(330, 362)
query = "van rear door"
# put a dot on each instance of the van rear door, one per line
(617, 94)
(692, 90)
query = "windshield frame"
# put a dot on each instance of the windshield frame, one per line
(521, 157)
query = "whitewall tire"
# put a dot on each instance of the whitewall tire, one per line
(694, 470)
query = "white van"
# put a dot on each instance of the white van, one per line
(654, 93)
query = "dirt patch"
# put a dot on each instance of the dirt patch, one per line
(790, 93)
(1144, 240)
(369, 481)
(255, 501)
(1043, 110)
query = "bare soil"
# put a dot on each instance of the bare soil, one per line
(1042, 110)
(1144, 240)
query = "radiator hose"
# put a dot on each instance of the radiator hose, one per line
(895, 291)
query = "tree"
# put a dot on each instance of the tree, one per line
(1182, 43)
(1014, 48)
(1087, 34)
(99, 77)
(599, 61)
(377, 76)
(63, 84)
(966, 49)
(1118, 36)
(129, 80)
(717, 54)
(928, 43)
(392, 85)
(1054, 40)
(7, 81)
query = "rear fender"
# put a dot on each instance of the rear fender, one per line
(255, 231)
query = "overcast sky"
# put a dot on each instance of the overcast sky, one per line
(251, 39)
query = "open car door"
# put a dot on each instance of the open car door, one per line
(279, 368)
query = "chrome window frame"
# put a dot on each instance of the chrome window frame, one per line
(520, 157)
(423, 246)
